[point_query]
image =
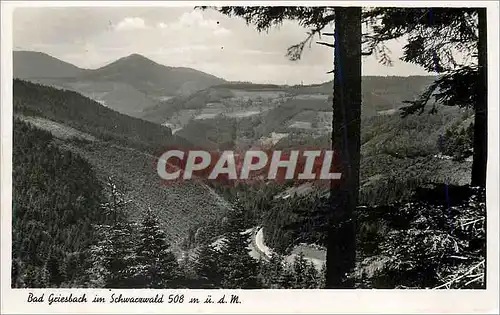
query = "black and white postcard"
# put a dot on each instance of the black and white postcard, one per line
(260, 157)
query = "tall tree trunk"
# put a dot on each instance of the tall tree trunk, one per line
(481, 108)
(341, 251)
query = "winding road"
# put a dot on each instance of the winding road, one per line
(311, 253)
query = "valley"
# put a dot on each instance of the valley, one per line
(119, 118)
(225, 116)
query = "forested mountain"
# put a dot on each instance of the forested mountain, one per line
(120, 147)
(72, 230)
(56, 200)
(127, 85)
(399, 156)
(151, 78)
(89, 209)
(37, 65)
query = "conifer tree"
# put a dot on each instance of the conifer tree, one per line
(346, 114)
(453, 43)
(17, 276)
(311, 277)
(299, 270)
(113, 255)
(286, 279)
(208, 267)
(322, 277)
(156, 266)
(56, 275)
(239, 268)
(274, 271)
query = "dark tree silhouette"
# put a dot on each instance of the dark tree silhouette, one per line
(346, 145)
(435, 35)
(346, 118)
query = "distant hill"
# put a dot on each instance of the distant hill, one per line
(380, 95)
(151, 78)
(33, 64)
(127, 85)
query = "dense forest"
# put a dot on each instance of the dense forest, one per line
(56, 200)
(112, 251)
(70, 230)
(86, 115)
(408, 212)
(428, 240)
(103, 247)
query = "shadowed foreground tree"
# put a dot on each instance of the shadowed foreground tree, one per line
(452, 43)
(346, 143)
(113, 253)
(346, 114)
(208, 267)
(435, 36)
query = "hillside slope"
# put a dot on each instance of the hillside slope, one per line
(84, 114)
(56, 198)
(380, 95)
(151, 78)
(33, 64)
(120, 147)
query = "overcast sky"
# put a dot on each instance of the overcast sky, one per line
(180, 36)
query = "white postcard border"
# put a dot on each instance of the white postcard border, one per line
(260, 301)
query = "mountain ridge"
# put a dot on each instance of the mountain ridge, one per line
(131, 56)
(144, 80)
(140, 56)
(33, 64)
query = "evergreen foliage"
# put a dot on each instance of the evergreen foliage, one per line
(208, 267)
(67, 232)
(457, 142)
(55, 202)
(88, 116)
(453, 43)
(433, 242)
(156, 266)
(239, 269)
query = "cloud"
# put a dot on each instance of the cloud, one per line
(182, 37)
(130, 23)
(222, 32)
(195, 21)
(193, 18)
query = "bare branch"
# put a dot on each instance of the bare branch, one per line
(449, 283)
(326, 44)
